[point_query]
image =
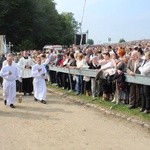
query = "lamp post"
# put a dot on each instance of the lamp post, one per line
(81, 34)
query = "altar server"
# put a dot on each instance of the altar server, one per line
(39, 84)
(10, 74)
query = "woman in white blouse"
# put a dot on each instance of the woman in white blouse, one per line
(81, 63)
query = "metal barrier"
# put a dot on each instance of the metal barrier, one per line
(139, 79)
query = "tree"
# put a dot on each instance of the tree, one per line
(68, 28)
(121, 40)
(36, 22)
(16, 19)
(26, 45)
(90, 41)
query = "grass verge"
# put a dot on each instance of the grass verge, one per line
(121, 108)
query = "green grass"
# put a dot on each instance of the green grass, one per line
(121, 108)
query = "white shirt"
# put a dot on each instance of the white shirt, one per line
(25, 72)
(82, 64)
(38, 74)
(145, 69)
(5, 62)
(7, 69)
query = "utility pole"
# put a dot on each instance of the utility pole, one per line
(80, 24)
(81, 39)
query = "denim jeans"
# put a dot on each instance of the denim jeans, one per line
(79, 84)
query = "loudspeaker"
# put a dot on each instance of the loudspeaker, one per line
(78, 39)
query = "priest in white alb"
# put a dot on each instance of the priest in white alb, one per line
(25, 64)
(10, 74)
(39, 84)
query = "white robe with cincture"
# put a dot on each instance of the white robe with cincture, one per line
(25, 72)
(9, 82)
(39, 84)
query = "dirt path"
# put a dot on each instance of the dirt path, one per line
(64, 125)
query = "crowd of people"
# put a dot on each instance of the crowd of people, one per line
(110, 61)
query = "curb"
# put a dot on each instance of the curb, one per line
(106, 111)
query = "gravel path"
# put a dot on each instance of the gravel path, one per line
(64, 125)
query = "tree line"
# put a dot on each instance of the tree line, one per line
(31, 24)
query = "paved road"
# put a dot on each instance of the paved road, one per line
(64, 125)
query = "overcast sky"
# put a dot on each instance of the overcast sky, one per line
(115, 19)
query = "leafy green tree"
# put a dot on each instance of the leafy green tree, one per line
(68, 28)
(90, 41)
(16, 19)
(37, 22)
(26, 45)
(122, 40)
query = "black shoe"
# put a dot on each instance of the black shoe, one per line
(78, 93)
(146, 111)
(35, 99)
(43, 101)
(30, 94)
(12, 106)
(131, 107)
(141, 110)
(5, 102)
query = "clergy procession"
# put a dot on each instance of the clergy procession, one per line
(18, 76)
(27, 73)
